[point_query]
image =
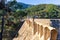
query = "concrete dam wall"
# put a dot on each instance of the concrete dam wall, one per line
(37, 29)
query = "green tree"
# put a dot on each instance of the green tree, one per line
(19, 14)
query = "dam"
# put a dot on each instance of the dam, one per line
(39, 29)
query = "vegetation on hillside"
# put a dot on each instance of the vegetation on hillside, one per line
(44, 11)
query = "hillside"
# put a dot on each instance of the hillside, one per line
(40, 11)
(14, 5)
(44, 11)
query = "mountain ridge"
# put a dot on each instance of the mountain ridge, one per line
(44, 11)
(17, 5)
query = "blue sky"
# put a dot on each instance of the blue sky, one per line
(36, 2)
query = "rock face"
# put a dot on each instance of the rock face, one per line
(37, 29)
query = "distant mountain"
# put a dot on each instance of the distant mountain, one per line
(17, 5)
(44, 11)
(24, 5)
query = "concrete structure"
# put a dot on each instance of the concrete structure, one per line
(39, 29)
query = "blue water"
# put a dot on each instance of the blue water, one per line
(56, 24)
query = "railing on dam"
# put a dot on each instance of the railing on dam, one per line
(45, 32)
